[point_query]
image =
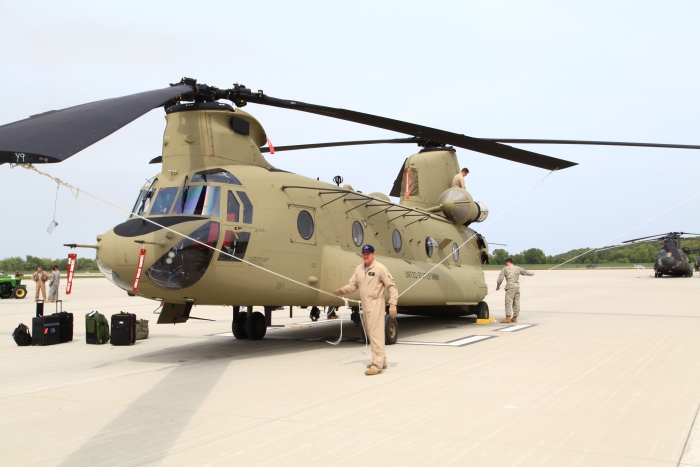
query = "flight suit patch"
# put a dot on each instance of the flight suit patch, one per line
(370, 273)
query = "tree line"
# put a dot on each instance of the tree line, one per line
(646, 252)
(30, 263)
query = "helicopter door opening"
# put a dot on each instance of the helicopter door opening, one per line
(236, 244)
(303, 224)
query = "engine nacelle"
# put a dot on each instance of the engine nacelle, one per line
(459, 206)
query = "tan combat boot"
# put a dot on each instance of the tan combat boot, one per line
(383, 368)
(373, 371)
(514, 320)
(507, 320)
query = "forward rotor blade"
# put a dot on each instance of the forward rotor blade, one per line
(56, 135)
(590, 143)
(433, 134)
(342, 143)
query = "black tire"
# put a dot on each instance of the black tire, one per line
(255, 326)
(19, 292)
(482, 310)
(391, 330)
(238, 328)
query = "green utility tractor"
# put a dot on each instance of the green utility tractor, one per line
(11, 286)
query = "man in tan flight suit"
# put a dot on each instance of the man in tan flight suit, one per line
(373, 279)
(40, 278)
(458, 181)
(512, 275)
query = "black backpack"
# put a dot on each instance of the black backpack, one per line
(21, 335)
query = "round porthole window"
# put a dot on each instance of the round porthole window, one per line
(429, 247)
(358, 234)
(396, 240)
(305, 224)
(455, 252)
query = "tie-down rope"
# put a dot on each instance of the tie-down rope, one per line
(482, 229)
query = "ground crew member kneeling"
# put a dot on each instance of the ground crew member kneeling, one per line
(512, 275)
(373, 279)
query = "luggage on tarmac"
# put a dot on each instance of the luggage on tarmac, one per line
(123, 329)
(96, 328)
(39, 308)
(46, 330)
(66, 319)
(141, 329)
(21, 335)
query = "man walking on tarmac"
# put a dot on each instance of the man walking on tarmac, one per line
(512, 274)
(373, 279)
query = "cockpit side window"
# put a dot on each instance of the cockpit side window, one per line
(164, 201)
(137, 204)
(199, 200)
(233, 210)
(247, 207)
(215, 176)
(144, 202)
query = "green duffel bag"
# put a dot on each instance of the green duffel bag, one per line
(141, 329)
(96, 328)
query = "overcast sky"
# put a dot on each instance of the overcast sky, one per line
(598, 70)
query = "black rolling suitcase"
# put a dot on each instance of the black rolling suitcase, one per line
(39, 308)
(46, 330)
(123, 329)
(66, 319)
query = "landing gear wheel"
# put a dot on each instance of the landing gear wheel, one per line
(482, 310)
(315, 313)
(256, 327)
(238, 328)
(391, 330)
(19, 292)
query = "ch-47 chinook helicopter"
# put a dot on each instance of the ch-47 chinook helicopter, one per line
(673, 260)
(217, 188)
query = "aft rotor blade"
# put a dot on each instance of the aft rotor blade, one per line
(433, 134)
(56, 135)
(342, 143)
(591, 143)
(644, 238)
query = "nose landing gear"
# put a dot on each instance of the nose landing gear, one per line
(315, 313)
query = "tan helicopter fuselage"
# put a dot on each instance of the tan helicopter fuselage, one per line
(273, 223)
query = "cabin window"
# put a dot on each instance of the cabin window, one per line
(233, 210)
(199, 200)
(429, 247)
(455, 252)
(235, 245)
(396, 241)
(247, 207)
(215, 176)
(358, 234)
(184, 264)
(305, 225)
(164, 201)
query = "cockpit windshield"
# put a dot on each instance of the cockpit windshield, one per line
(199, 200)
(164, 201)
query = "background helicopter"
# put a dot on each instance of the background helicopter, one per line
(673, 260)
(217, 189)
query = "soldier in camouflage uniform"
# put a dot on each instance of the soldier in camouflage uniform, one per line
(512, 276)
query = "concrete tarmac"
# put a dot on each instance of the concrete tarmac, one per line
(605, 373)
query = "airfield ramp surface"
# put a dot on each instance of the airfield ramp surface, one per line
(601, 370)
